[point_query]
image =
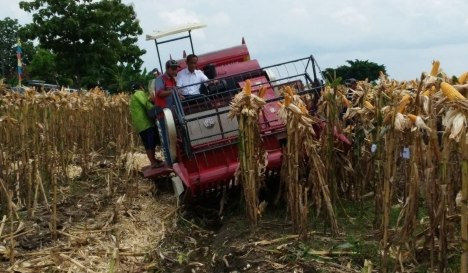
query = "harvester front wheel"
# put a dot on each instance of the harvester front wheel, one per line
(168, 134)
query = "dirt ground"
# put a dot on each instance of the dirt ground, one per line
(140, 227)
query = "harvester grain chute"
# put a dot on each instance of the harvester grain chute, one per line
(200, 142)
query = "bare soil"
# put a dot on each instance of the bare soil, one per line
(139, 226)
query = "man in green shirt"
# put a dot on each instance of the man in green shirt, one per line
(143, 124)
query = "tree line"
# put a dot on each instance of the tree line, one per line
(80, 43)
(85, 43)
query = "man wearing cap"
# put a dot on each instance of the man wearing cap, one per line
(165, 85)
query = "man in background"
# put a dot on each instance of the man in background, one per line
(352, 87)
(151, 84)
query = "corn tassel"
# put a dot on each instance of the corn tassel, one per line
(435, 68)
(381, 76)
(403, 103)
(450, 92)
(463, 78)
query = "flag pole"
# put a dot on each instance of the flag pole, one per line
(19, 51)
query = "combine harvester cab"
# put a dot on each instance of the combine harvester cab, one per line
(201, 142)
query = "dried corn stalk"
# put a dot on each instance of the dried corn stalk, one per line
(246, 107)
(301, 144)
(455, 122)
(464, 207)
(62, 134)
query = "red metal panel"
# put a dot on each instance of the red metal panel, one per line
(236, 68)
(210, 171)
(229, 55)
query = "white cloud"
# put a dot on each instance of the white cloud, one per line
(220, 19)
(404, 35)
(11, 9)
(177, 17)
(349, 16)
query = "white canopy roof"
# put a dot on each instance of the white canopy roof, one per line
(174, 30)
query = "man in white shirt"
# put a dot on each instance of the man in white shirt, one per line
(190, 77)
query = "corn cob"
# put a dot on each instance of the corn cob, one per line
(368, 105)
(412, 117)
(450, 92)
(403, 103)
(345, 101)
(262, 92)
(463, 77)
(287, 100)
(435, 68)
(289, 90)
(429, 91)
(294, 108)
(248, 88)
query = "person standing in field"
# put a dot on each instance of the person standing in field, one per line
(140, 104)
(352, 88)
(353, 94)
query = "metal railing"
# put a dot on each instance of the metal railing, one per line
(202, 120)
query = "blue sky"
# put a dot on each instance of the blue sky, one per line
(403, 35)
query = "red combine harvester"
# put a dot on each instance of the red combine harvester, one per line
(200, 142)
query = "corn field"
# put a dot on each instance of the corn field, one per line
(47, 140)
(402, 144)
(407, 149)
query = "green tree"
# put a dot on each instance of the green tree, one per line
(357, 69)
(42, 66)
(122, 79)
(88, 37)
(9, 32)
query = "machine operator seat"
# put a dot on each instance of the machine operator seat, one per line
(210, 71)
(211, 88)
